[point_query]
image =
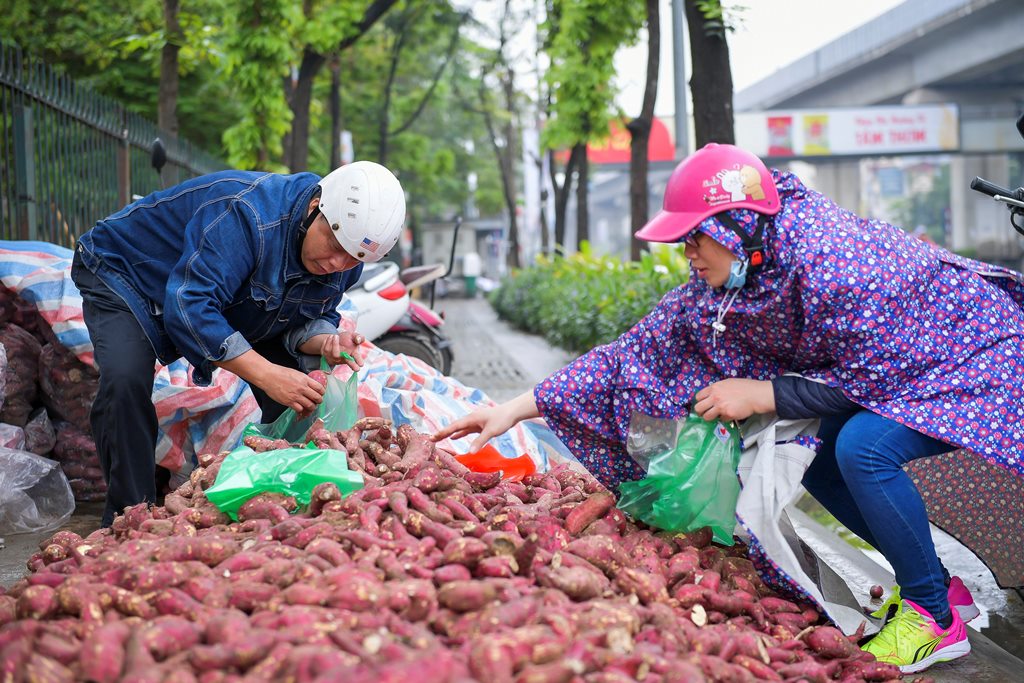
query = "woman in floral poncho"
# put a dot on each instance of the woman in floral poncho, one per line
(915, 352)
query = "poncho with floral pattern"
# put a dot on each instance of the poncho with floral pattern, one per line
(908, 330)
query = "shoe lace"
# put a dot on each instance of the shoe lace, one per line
(905, 625)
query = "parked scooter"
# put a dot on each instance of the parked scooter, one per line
(395, 322)
(1014, 199)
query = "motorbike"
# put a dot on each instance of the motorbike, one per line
(1014, 199)
(394, 321)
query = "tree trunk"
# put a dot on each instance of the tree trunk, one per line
(167, 107)
(545, 229)
(582, 194)
(296, 143)
(711, 82)
(640, 132)
(384, 122)
(297, 157)
(336, 123)
(562, 194)
(508, 171)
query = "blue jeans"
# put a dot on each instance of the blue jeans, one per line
(858, 477)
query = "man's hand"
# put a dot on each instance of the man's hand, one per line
(292, 388)
(735, 399)
(348, 342)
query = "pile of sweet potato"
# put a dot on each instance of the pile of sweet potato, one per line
(47, 393)
(75, 450)
(429, 573)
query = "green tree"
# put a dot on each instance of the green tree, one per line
(640, 131)
(328, 28)
(584, 36)
(258, 51)
(116, 50)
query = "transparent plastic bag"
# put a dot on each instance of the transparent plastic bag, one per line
(34, 493)
(339, 410)
(691, 482)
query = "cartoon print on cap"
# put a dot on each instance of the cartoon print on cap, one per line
(751, 180)
(732, 182)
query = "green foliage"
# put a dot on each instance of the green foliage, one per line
(432, 157)
(583, 300)
(584, 36)
(928, 208)
(257, 53)
(234, 62)
(329, 22)
(114, 49)
(719, 19)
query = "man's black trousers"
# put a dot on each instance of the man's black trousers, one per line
(124, 422)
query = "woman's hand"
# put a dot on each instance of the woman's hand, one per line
(491, 421)
(292, 388)
(343, 342)
(735, 399)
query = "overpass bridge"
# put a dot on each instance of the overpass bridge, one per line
(967, 53)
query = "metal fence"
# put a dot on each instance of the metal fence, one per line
(69, 156)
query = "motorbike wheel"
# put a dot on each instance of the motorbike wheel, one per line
(416, 346)
(446, 361)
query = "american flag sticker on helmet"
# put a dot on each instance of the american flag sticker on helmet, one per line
(370, 244)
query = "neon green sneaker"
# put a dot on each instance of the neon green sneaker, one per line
(890, 606)
(959, 598)
(913, 641)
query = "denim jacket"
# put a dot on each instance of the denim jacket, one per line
(213, 264)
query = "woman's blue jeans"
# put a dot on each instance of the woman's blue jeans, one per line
(858, 476)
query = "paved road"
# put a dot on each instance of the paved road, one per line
(491, 355)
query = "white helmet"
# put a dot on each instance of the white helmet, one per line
(364, 204)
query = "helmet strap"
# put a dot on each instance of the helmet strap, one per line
(307, 222)
(753, 245)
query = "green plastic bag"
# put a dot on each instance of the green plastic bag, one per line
(339, 410)
(292, 471)
(691, 482)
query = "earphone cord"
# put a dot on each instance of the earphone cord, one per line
(723, 308)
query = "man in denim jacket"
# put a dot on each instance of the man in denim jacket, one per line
(238, 270)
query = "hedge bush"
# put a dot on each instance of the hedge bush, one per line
(580, 301)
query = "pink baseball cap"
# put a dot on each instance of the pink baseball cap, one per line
(713, 179)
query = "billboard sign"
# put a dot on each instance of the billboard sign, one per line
(859, 131)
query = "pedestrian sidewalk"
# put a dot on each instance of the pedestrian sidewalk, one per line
(492, 356)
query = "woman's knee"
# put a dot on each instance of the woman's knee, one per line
(866, 444)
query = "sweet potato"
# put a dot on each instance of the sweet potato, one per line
(466, 551)
(491, 661)
(322, 493)
(164, 636)
(499, 566)
(466, 596)
(576, 582)
(830, 643)
(589, 511)
(601, 551)
(646, 586)
(37, 602)
(258, 508)
(59, 647)
(103, 652)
